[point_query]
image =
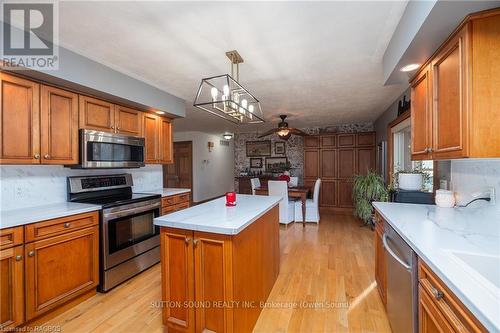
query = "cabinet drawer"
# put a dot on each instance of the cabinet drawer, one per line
(167, 201)
(10, 237)
(45, 229)
(183, 205)
(167, 209)
(183, 198)
(449, 306)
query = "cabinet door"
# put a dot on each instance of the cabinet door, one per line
(150, 132)
(345, 194)
(430, 320)
(19, 121)
(365, 139)
(346, 140)
(346, 163)
(166, 147)
(60, 268)
(421, 120)
(365, 160)
(58, 126)
(11, 287)
(311, 141)
(96, 114)
(328, 193)
(328, 163)
(213, 281)
(328, 141)
(177, 269)
(450, 82)
(311, 163)
(128, 121)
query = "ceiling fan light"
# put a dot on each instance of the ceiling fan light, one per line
(283, 132)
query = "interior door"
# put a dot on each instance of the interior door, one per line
(59, 126)
(180, 173)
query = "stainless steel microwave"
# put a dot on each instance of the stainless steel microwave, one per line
(108, 150)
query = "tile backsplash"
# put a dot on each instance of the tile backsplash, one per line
(30, 185)
(475, 175)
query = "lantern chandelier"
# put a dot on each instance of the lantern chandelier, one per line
(224, 96)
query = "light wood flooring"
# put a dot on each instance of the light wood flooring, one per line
(329, 266)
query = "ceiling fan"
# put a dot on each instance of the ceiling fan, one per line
(284, 132)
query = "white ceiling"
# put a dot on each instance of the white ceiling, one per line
(318, 62)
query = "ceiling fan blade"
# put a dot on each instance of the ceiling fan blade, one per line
(296, 131)
(274, 130)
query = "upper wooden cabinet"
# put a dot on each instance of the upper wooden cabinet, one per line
(151, 136)
(20, 120)
(328, 141)
(96, 114)
(456, 95)
(346, 140)
(311, 141)
(166, 145)
(59, 126)
(128, 121)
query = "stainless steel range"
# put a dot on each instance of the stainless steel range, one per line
(129, 242)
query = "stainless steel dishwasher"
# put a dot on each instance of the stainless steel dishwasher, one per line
(402, 282)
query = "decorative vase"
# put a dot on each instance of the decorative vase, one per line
(410, 181)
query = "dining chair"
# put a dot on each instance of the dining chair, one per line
(294, 182)
(312, 206)
(279, 188)
(255, 183)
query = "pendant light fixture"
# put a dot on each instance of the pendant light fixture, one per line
(225, 97)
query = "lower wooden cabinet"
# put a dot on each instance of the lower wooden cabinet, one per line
(11, 287)
(174, 203)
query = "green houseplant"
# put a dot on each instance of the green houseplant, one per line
(367, 189)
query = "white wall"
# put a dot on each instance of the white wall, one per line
(213, 172)
(35, 185)
(475, 175)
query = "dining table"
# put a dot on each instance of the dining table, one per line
(297, 192)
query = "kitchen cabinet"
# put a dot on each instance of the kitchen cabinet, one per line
(20, 120)
(311, 141)
(96, 114)
(346, 140)
(174, 203)
(328, 141)
(439, 309)
(157, 133)
(58, 126)
(365, 139)
(311, 165)
(11, 278)
(365, 160)
(60, 268)
(380, 263)
(166, 145)
(456, 94)
(328, 193)
(128, 121)
(346, 163)
(328, 163)
(344, 193)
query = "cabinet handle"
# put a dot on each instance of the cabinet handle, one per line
(437, 293)
(46, 156)
(187, 240)
(19, 257)
(67, 225)
(430, 150)
(112, 127)
(31, 254)
(195, 242)
(36, 156)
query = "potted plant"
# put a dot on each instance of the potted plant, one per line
(410, 180)
(367, 189)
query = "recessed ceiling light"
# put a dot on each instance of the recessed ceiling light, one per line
(409, 68)
(160, 112)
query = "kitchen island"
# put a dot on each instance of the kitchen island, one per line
(219, 263)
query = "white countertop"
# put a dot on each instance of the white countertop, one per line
(22, 216)
(214, 216)
(435, 234)
(166, 192)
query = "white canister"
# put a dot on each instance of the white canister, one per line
(445, 199)
(410, 181)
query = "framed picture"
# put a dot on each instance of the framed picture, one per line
(258, 148)
(276, 163)
(279, 148)
(255, 163)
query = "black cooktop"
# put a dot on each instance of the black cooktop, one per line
(118, 200)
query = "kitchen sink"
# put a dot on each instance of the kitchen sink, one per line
(486, 266)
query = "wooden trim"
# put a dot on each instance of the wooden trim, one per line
(390, 144)
(10, 237)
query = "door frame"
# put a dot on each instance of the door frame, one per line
(164, 171)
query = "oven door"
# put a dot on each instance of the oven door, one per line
(108, 150)
(128, 231)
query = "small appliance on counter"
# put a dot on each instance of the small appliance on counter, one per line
(129, 241)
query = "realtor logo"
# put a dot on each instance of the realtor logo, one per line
(29, 35)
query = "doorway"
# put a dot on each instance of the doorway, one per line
(180, 173)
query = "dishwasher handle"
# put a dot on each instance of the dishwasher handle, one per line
(389, 250)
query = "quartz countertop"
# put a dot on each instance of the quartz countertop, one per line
(166, 192)
(22, 216)
(214, 216)
(442, 236)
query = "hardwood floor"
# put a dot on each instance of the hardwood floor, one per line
(330, 264)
